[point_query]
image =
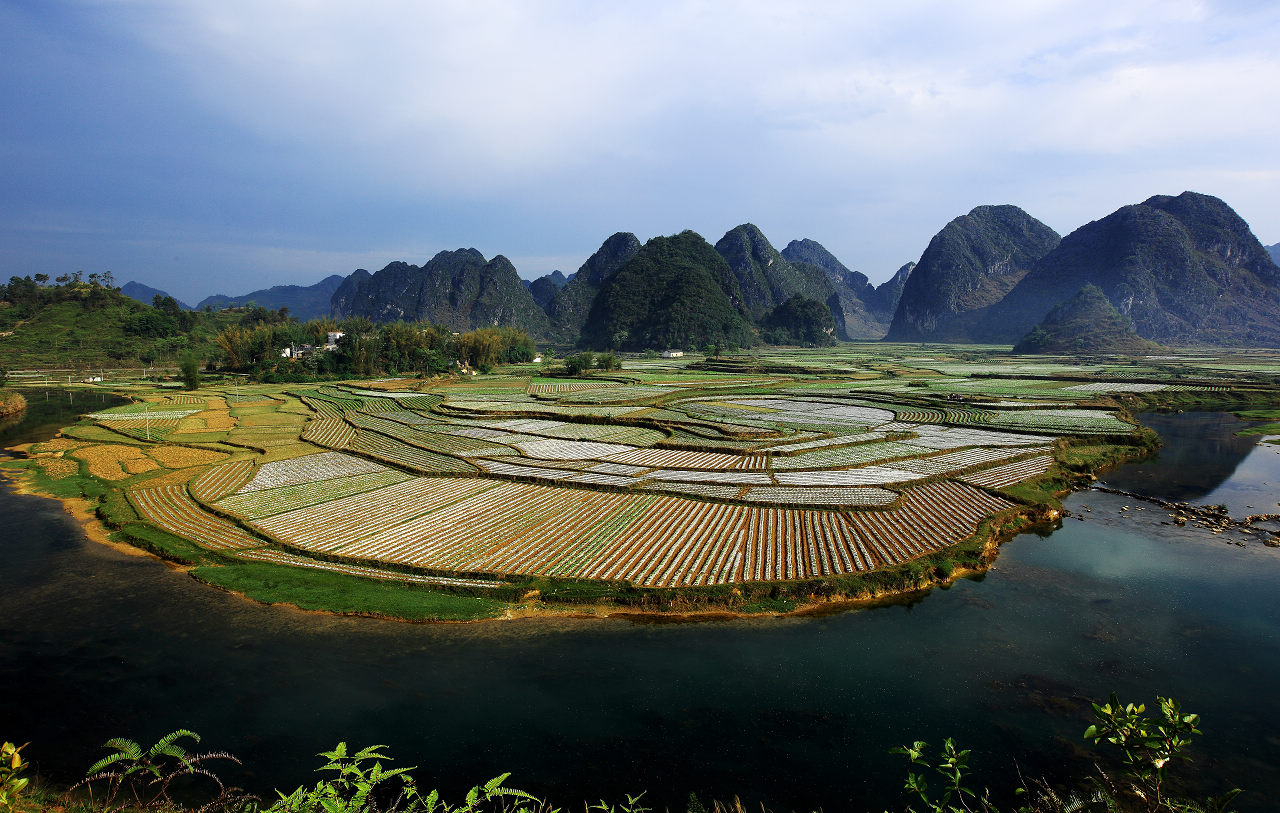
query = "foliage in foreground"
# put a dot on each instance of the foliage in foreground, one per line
(357, 781)
(1148, 747)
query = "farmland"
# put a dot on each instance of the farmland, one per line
(673, 477)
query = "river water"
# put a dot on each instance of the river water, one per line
(794, 713)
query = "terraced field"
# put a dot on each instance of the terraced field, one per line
(665, 482)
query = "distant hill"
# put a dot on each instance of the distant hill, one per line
(83, 325)
(304, 302)
(889, 292)
(971, 264)
(570, 306)
(459, 289)
(1185, 270)
(767, 279)
(676, 292)
(1086, 323)
(544, 288)
(146, 294)
(1274, 251)
(867, 310)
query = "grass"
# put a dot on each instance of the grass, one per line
(336, 592)
(166, 545)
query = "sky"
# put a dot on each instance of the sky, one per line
(220, 147)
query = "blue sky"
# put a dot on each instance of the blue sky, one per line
(220, 147)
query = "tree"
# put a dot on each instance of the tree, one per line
(189, 363)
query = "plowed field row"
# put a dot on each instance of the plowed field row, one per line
(400, 453)
(846, 456)
(823, 443)
(958, 460)
(171, 508)
(330, 432)
(651, 540)
(218, 481)
(1010, 473)
(868, 496)
(539, 389)
(678, 459)
(294, 560)
(256, 505)
(333, 524)
(323, 407)
(419, 402)
(312, 468)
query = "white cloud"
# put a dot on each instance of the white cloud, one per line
(656, 108)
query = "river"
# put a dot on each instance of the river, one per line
(795, 713)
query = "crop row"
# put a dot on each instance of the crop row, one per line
(931, 516)
(250, 398)
(419, 402)
(649, 539)
(155, 429)
(410, 417)
(575, 386)
(1010, 473)
(171, 508)
(1109, 386)
(846, 456)
(489, 533)
(861, 496)
(864, 476)
(294, 560)
(142, 416)
(958, 460)
(308, 469)
(416, 436)
(717, 490)
(184, 399)
(676, 458)
(333, 433)
(399, 453)
(218, 481)
(1066, 421)
(323, 407)
(634, 392)
(744, 478)
(938, 438)
(331, 525)
(267, 502)
(549, 449)
(795, 410)
(824, 443)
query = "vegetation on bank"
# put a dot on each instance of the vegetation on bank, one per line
(1134, 772)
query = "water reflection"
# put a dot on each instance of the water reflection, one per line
(48, 410)
(1201, 451)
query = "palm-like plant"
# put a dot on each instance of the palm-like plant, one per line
(144, 779)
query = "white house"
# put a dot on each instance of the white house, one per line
(672, 354)
(331, 339)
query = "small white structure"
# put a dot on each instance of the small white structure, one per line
(537, 359)
(331, 339)
(672, 354)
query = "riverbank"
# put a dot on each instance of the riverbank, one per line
(11, 404)
(322, 592)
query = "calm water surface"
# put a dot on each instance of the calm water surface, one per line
(794, 713)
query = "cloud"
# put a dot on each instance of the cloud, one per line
(535, 129)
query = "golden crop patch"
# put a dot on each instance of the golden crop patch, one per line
(106, 462)
(181, 457)
(138, 465)
(58, 468)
